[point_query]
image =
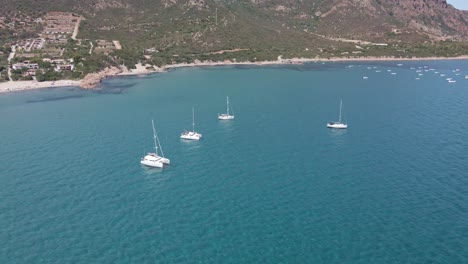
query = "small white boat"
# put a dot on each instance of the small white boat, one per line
(153, 159)
(452, 81)
(393, 73)
(417, 78)
(378, 71)
(226, 116)
(466, 76)
(365, 77)
(338, 124)
(399, 64)
(191, 135)
(442, 75)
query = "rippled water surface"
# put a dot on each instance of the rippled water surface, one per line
(272, 186)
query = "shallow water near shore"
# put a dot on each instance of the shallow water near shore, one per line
(272, 186)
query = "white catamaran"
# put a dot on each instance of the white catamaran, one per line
(226, 116)
(338, 124)
(191, 135)
(153, 159)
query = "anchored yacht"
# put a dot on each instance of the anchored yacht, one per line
(191, 135)
(226, 116)
(153, 159)
(338, 124)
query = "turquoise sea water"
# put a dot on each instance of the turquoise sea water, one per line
(272, 186)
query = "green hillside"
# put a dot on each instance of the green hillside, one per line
(168, 31)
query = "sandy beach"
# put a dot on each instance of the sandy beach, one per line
(305, 60)
(148, 69)
(30, 85)
(142, 69)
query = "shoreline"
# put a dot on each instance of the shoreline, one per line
(16, 86)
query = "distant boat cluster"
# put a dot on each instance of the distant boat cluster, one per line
(420, 72)
(426, 69)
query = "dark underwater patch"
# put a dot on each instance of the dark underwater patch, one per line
(56, 98)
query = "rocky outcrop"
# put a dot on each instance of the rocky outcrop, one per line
(92, 80)
(432, 16)
(419, 20)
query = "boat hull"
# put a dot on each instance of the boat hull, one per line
(165, 161)
(153, 164)
(191, 136)
(225, 117)
(152, 160)
(152, 155)
(337, 126)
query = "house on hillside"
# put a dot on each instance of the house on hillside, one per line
(25, 65)
(64, 67)
(29, 72)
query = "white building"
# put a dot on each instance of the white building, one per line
(64, 67)
(22, 65)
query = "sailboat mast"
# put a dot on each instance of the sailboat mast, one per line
(154, 137)
(157, 139)
(227, 105)
(341, 104)
(193, 120)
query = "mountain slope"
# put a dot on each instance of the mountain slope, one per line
(201, 26)
(416, 20)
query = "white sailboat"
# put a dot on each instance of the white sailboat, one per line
(153, 159)
(338, 124)
(191, 135)
(226, 116)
